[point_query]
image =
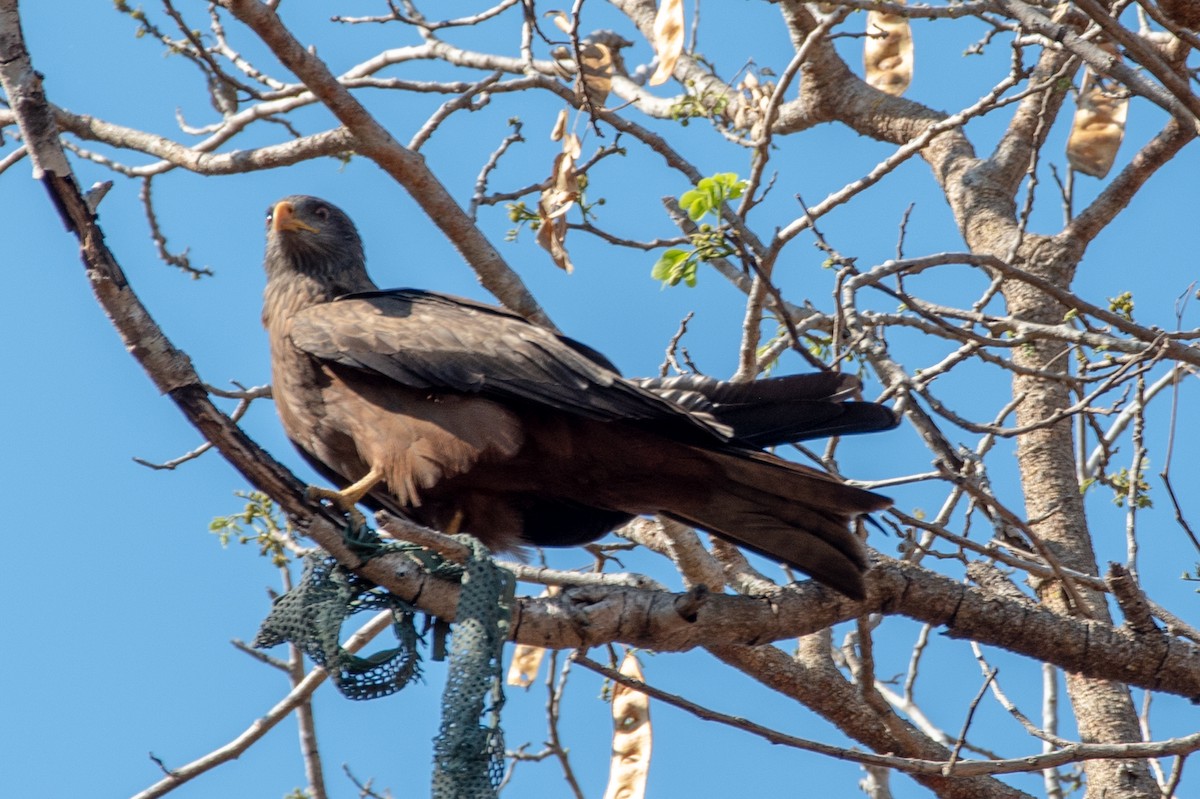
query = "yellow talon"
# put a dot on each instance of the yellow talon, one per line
(346, 499)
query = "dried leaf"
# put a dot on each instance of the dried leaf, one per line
(668, 39)
(564, 186)
(555, 201)
(526, 660)
(560, 126)
(1099, 124)
(888, 52)
(552, 236)
(632, 737)
(596, 73)
(573, 147)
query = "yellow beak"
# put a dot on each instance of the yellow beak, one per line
(283, 218)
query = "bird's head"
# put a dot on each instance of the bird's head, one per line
(309, 237)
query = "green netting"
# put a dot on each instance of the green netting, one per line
(468, 755)
(311, 615)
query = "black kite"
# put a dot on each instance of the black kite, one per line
(463, 416)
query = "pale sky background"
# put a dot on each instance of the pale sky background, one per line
(120, 603)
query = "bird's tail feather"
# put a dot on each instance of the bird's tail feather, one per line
(789, 513)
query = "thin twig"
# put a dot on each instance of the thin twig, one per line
(263, 724)
(962, 735)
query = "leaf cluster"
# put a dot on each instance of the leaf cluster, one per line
(258, 522)
(1120, 484)
(709, 197)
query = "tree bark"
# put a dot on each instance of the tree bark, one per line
(1104, 709)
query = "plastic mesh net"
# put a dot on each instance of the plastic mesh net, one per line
(468, 754)
(311, 615)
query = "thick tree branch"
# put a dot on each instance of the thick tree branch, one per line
(593, 616)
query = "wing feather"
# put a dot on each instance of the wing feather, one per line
(433, 341)
(777, 410)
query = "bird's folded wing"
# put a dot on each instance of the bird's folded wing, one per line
(432, 341)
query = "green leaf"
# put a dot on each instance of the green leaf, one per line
(711, 193)
(675, 265)
(696, 202)
(731, 188)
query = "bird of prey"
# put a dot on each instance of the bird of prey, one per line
(465, 417)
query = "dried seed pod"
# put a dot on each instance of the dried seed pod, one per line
(561, 20)
(741, 119)
(573, 147)
(668, 39)
(888, 52)
(748, 106)
(595, 72)
(632, 737)
(563, 62)
(526, 660)
(1099, 124)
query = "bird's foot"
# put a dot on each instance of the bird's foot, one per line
(358, 535)
(346, 499)
(340, 501)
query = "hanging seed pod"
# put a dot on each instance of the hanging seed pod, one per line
(668, 39)
(561, 20)
(526, 660)
(631, 737)
(595, 73)
(1099, 124)
(888, 52)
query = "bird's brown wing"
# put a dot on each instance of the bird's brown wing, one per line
(424, 340)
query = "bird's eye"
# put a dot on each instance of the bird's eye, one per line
(321, 211)
(270, 216)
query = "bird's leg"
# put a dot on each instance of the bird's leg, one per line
(456, 521)
(351, 495)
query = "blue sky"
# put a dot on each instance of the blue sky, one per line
(121, 603)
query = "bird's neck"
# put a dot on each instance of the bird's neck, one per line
(287, 296)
